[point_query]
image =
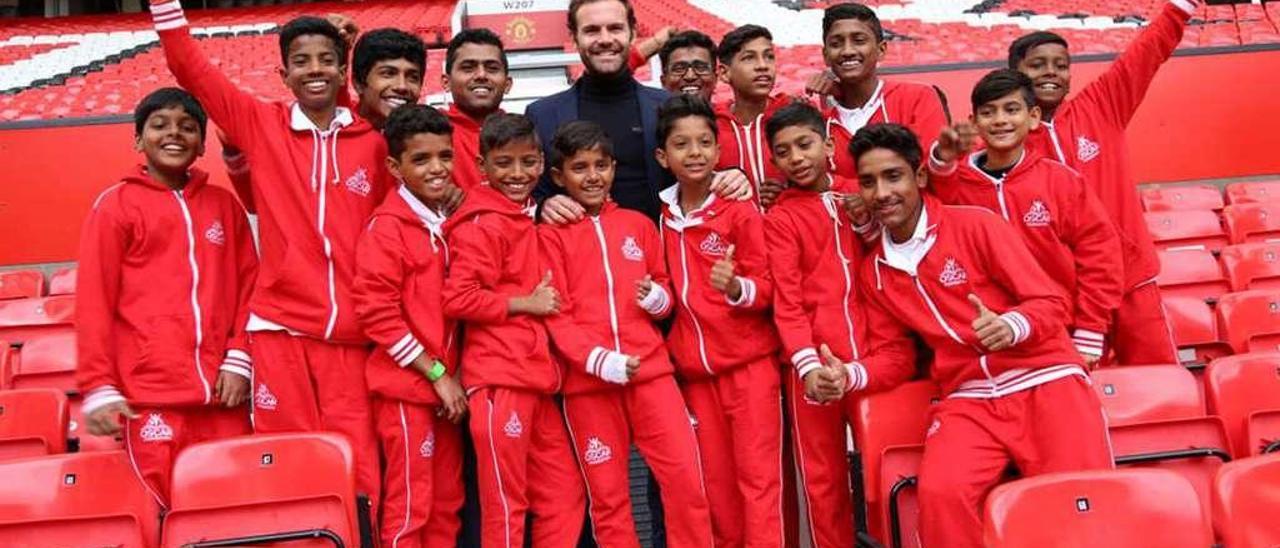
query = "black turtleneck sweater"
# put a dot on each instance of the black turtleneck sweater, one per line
(611, 101)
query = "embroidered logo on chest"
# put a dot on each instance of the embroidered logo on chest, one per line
(156, 429)
(952, 273)
(1086, 150)
(514, 428)
(215, 234)
(264, 399)
(713, 245)
(631, 250)
(597, 452)
(428, 446)
(1037, 215)
(359, 182)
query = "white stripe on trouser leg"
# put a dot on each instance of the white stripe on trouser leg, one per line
(804, 481)
(573, 440)
(408, 490)
(782, 475)
(133, 463)
(497, 474)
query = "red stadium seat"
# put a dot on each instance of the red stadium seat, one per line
(1131, 508)
(21, 284)
(1182, 198)
(1245, 391)
(888, 431)
(1195, 330)
(1258, 222)
(47, 361)
(1172, 229)
(7, 356)
(63, 282)
(21, 318)
(1252, 266)
(89, 499)
(33, 423)
(1253, 192)
(1192, 273)
(1245, 496)
(1250, 320)
(1194, 448)
(264, 488)
(1144, 393)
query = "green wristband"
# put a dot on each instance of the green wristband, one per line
(437, 370)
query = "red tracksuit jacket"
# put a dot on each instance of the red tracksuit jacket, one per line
(163, 292)
(466, 148)
(595, 265)
(494, 256)
(813, 258)
(1087, 133)
(400, 265)
(1061, 222)
(710, 334)
(313, 190)
(745, 146)
(916, 106)
(969, 253)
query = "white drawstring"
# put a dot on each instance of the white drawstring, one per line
(315, 151)
(337, 175)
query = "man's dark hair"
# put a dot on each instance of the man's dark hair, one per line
(1001, 82)
(1019, 48)
(408, 120)
(577, 136)
(168, 98)
(683, 106)
(386, 45)
(851, 10)
(893, 137)
(735, 39)
(480, 36)
(798, 113)
(687, 39)
(501, 129)
(575, 4)
(306, 25)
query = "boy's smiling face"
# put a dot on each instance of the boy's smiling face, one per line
(1005, 122)
(313, 72)
(802, 154)
(851, 50)
(389, 84)
(425, 166)
(170, 140)
(691, 151)
(513, 169)
(891, 188)
(587, 176)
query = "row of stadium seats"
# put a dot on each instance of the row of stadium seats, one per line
(1207, 229)
(23, 284)
(1205, 197)
(1196, 272)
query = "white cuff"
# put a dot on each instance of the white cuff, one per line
(1088, 342)
(100, 397)
(748, 296)
(1187, 6)
(168, 15)
(1019, 324)
(657, 301)
(939, 167)
(857, 378)
(405, 350)
(238, 362)
(805, 360)
(608, 365)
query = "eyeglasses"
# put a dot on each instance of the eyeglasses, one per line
(700, 68)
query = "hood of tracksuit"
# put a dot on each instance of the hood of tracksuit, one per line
(196, 178)
(486, 199)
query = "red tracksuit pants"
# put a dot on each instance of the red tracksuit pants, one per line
(1140, 331)
(738, 420)
(422, 490)
(524, 466)
(820, 439)
(1055, 427)
(652, 414)
(159, 433)
(308, 385)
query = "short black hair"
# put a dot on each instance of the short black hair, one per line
(306, 25)
(687, 39)
(384, 45)
(168, 98)
(735, 39)
(798, 113)
(851, 10)
(480, 36)
(999, 83)
(889, 136)
(501, 129)
(408, 120)
(1025, 43)
(577, 136)
(683, 106)
(575, 4)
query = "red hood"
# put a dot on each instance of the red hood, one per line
(1030, 159)
(486, 199)
(776, 101)
(197, 178)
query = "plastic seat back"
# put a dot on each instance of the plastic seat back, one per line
(1253, 192)
(1245, 497)
(76, 500)
(33, 423)
(899, 475)
(1252, 266)
(47, 361)
(78, 431)
(1195, 330)
(21, 284)
(1131, 508)
(1194, 448)
(1240, 386)
(63, 282)
(1250, 320)
(1257, 222)
(1179, 229)
(1145, 393)
(899, 417)
(257, 488)
(1182, 198)
(1192, 273)
(22, 318)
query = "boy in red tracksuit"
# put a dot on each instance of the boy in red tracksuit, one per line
(475, 68)
(166, 267)
(1087, 133)
(813, 256)
(317, 173)
(748, 65)
(722, 341)
(497, 288)
(1014, 387)
(412, 375)
(619, 388)
(1046, 202)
